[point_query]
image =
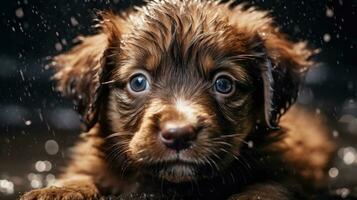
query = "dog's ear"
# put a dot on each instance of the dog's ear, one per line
(282, 73)
(81, 72)
(284, 62)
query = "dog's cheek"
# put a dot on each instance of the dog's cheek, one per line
(124, 120)
(124, 113)
(115, 113)
(239, 119)
(144, 145)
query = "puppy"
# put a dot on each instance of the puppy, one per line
(182, 99)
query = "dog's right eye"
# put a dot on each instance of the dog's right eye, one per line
(138, 83)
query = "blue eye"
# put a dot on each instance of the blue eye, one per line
(139, 83)
(223, 85)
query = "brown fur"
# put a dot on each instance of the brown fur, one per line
(181, 46)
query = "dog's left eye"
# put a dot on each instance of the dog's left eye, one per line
(223, 85)
(139, 83)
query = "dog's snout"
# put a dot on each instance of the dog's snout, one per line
(177, 136)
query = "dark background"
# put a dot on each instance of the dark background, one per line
(37, 125)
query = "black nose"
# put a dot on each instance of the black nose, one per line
(177, 136)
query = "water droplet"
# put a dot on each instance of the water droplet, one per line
(19, 13)
(333, 172)
(28, 122)
(349, 158)
(327, 37)
(318, 111)
(343, 192)
(58, 46)
(40, 166)
(50, 179)
(329, 12)
(335, 133)
(74, 21)
(51, 147)
(36, 183)
(6, 187)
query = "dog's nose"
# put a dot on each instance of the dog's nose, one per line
(177, 136)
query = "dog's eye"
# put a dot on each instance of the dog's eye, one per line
(223, 84)
(139, 83)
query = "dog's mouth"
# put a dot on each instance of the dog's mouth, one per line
(180, 170)
(178, 161)
(175, 163)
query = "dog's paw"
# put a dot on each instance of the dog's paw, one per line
(59, 193)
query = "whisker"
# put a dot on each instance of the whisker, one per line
(231, 135)
(108, 82)
(117, 134)
(242, 140)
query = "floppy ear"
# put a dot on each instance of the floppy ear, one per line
(282, 74)
(81, 72)
(285, 62)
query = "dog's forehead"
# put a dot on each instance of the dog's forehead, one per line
(177, 35)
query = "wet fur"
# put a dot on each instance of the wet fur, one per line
(182, 44)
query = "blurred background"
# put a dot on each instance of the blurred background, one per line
(37, 125)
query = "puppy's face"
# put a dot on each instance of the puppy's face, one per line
(181, 98)
(183, 83)
(175, 114)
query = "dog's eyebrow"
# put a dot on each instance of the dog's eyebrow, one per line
(237, 70)
(127, 67)
(207, 63)
(151, 62)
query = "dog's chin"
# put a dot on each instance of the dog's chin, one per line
(178, 172)
(181, 171)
